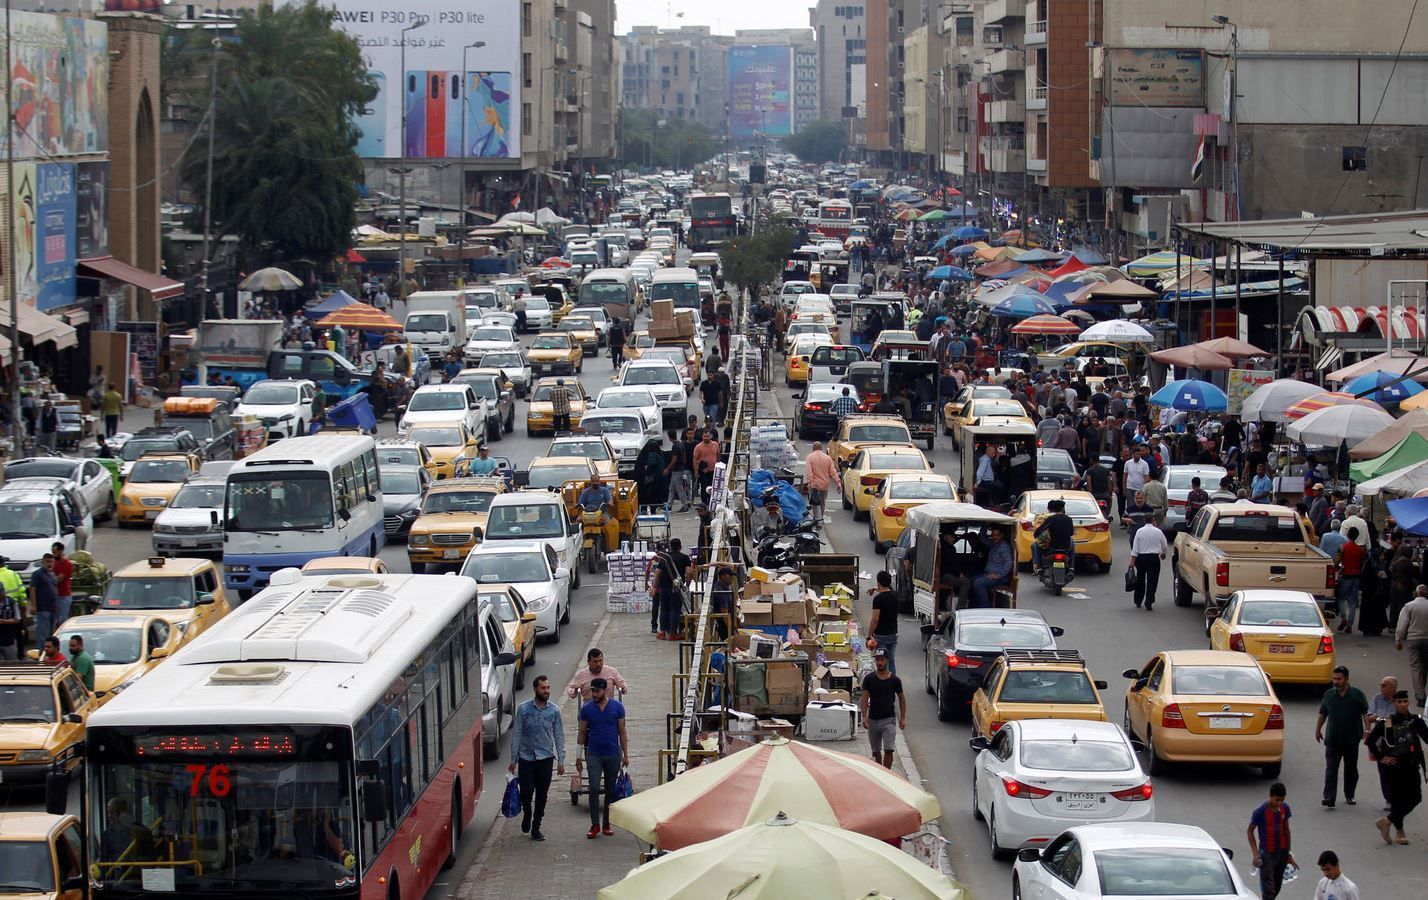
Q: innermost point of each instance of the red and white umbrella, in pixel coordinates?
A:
(1301, 408)
(1046, 324)
(807, 781)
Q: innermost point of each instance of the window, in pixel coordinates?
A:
(526, 66)
(1156, 674)
(526, 117)
(1355, 159)
(526, 19)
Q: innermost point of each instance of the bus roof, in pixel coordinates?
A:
(306, 650)
(676, 275)
(307, 450)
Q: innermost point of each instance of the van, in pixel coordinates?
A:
(537, 516)
(208, 420)
(678, 284)
(604, 287)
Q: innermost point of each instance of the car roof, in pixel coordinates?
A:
(1082, 729)
(468, 482)
(902, 477)
(1210, 658)
(23, 825)
(875, 419)
(440, 388)
(25, 671)
(1280, 595)
(107, 620)
(997, 615)
(1057, 495)
(33, 488)
(1112, 836)
(831, 388)
(544, 461)
(174, 565)
(489, 547)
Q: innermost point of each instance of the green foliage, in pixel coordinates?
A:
(646, 141)
(818, 142)
(285, 168)
(751, 261)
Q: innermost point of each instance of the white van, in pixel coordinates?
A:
(537, 516)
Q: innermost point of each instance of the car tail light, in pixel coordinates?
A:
(1039, 443)
(1016, 788)
(1171, 717)
(813, 407)
(894, 511)
(1139, 792)
(1326, 644)
(1276, 718)
(961, 662)
(1099, 527)
(1331, 577)
(1222, 574)
(869, 480)
(1237, 641)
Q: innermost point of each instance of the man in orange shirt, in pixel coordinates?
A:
(821, 473)
(706, 456)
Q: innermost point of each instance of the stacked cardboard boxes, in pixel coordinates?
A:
(665, 322)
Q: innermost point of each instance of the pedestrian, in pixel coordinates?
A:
(1412, 632)
(1158, 499)
(883, 708)
(1197, 499)
(48, 430)
(681, 483)
(595, 667)
(64, 575)
(44, 597)
(709, 396)
(821, 473)
(12, 610)
(1381, 707)
(1340, 728)
(882, 627)
(112, 404)
(51, 654)
(706, 457)
(1269, 840)
(1148, 548)
(81, 661)
(604, 743)
(1396, 744)
(560, 397)
(1351, 557)
(1335, 885)
(1402, 576)
(537, 745)
(670, 567)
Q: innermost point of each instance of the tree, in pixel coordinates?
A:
(751, 261)
(285, 168)
(648, 141)
(818, 142)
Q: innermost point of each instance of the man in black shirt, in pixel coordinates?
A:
(1059, 527)
(1098, 482)
(882, 627)
(671, 567)
(881, 716)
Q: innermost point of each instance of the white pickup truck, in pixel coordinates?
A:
(537, 516)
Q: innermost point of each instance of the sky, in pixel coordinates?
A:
(723, 16)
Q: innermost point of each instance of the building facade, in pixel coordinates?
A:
(840, 30)
(678, 72)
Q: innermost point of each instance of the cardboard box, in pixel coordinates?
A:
(839, 657)
(760, 574)
(755, 612)
(783, 676)
(829, 721)
(832, 696)
(790, 614)
(662, 311)
(780, 727)
(841, 678)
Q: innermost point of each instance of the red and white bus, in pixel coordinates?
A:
(835, 217)
(321, 741)
(711, 221)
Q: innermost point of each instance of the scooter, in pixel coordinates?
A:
(1058, 569)
(776, 551)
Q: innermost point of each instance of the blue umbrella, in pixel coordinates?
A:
(1383, 387)
(333, 302)
(951, 273)
(943, 241)
(1188, 394)
(963, 250)
(968, 233)
(965, 211)
(1023, 306)
(1411, 515)
(860, 185)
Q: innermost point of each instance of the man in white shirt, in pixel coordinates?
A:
(1148, 548)
(1136, 472)
(1335, 885)
(1352, 519)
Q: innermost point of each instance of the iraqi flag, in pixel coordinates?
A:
(1197, 167)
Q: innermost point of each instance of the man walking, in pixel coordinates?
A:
(44, 597)
(1342, 710)
(1412, 632)
(603, 742)
(1148, 548)
(12, 611)
(113, 405)
(1351, 557)
(880, 689)
(681, 483)
(64, 575)
(537, 743)
(882, 627)
(1335, 885)
(1396, 744)
(1381, 706)
(1158, 499)
(820, 473)
(560, 406)
(595, 667)
(1269, 840)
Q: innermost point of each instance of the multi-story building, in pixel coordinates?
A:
(678, 72)
(840, 27)
(802, 67)
(924, 98)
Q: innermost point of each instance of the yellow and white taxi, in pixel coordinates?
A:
(540, 416)
(452, 514)
(582, 330)
(124, 647)
(1036, 684)
(451, 447)
(865, 430)
(186, 591)
(556, 353)
(979, 409)
(897, 493)
(1284, 631)
(152, 483)
(870, 465)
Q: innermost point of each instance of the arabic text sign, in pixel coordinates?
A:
(1242, 383)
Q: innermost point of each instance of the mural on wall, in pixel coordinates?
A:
(59, 79)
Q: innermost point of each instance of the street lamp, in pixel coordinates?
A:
(465, 114)
(402, 175)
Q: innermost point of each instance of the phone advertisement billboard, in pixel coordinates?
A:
(760, 92)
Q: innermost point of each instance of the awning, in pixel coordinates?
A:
(159, 287)
(39, 327)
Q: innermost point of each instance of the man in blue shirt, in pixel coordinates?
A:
(603, 742)
(596, 497)
(998, 571)
(537, 742)
(482, 464)
(1262, 486)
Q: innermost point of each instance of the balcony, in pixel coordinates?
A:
(1006, 61)
(1006, 111)
(1003, 11)
(1007, 160)
(1035, 33)
(1035, 96)
(1035, 165)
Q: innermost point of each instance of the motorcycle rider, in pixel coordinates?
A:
(767, 518)
(1059, 528)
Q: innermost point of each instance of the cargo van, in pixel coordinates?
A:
(604, 287)
(680, 285)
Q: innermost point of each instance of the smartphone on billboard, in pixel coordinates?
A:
(414, 96)
(455, 106)
(372, 122)
(435, 115)
(487, 106)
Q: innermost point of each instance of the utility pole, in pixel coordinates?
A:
(465, 114)
(402, 178)
(17, 424)
(1234, 105)
(208, 185)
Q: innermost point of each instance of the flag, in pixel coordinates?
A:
(516, 201)
(1197, 168)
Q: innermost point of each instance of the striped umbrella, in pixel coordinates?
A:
(359, 317)
(1302, 408)
(1045, 324)
(807, 781)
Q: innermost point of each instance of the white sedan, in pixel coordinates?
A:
(1143, 859)
(630, 399)
(627, 430)
(1038, 777)
(532, 568)
(489, 339)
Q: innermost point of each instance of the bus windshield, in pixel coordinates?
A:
(685, 294)
(602, 292)
(279, 501)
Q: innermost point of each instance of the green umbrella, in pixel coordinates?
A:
(933, 215)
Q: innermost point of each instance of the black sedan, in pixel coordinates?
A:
(816, 416)
(959, 652)
(1056, 470)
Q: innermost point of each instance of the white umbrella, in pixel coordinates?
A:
(547, 216)
(270, 279)
(1268, 402)
(518, 216)
(1118, 331)
(1332, 425)
(1402, 482)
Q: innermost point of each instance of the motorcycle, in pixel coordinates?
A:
(1058, 569)
(783, 550)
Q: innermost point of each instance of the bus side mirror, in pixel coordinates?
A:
(374, 801)
(56, 791)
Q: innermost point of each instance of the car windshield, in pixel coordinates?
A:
(587, 449)
(1259, 527)
(1047, 686)
(1059, 463)
(502, 568)
(1000, 636)
(440, 436)
(672, 354)
(880, 434)
(1076, 756)
(27, 703)
(1015, 410)
(27, 520)
(40, 468)
(160, 471)
(895, 461)
(492, 334)
(201, 428)
(426, 322)
(502, 360)
(484, 386)
(109, 646)
(650, 375)
(1074, 506)
(551, 342)
(135, 448)
(1225, 681)
(625, 400)
(921, 490)
(1179, 479)
(836, 356)
(1285, 613)
(430, 401)
(150, 592)
(555, 476)
(26, 867)
(610, 425)
(458, 502)
(1163, 872)
(503, 604)
(272, 395)
(198, 496)
(399, 483)
(533, 520)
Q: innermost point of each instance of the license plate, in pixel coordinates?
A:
(1058, 565)
(1281, 648)
(451, 554)
(151, 513)
(1077, 801)
(188, 542)
(1045, 485)
(1225, 722)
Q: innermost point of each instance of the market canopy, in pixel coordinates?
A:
(1411, 514)
(1415, 421)
(360, 317)
(1412, 449)
(331, 303)
(1404, 482)
(951, 273)
(1269, 402)
(1001, 269)
(39, 327)
(1337, 425)
(1115, 331)
(1383, 387)
(1113, 292)
(1039, 255)
(270, 279)
(1398, 361)
(968, 232)
(1323, 400)
(1193, 356)
(1234, 348)
(1046, 324)
(1072, 264)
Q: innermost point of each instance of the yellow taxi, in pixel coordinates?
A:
(870, 465)
(594, 447)
(636, 344)
(796, 329)
(1036, 684)
(981, 410)
(1202, 706)
(550, 473)
(952, 408)
(43, 709)
(858, 431)
(559, 311)
(582, 330)
(1092, 535)
(152, 483)
(452, 513)
(124, 647)
(345, 565)
(555, 353)
(540, 417)
(895, 495)
(519, 624)
(42, 856)
(1284, 631)
(450, 446)
(186, 592)
(795, 366)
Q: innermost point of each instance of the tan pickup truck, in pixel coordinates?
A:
(1235, 546)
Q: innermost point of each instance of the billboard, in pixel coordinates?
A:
(760, 92)
(59, 79)
(459, 100)
(1157, 78)
(91, 215)
(54, 221)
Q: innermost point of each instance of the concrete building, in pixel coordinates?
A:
(924, 99)
(877, 135)
(840, 28)
(680, 72)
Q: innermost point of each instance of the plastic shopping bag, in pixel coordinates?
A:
(511, 802)
(623, 786)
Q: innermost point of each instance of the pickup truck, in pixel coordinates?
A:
(1236, 546)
